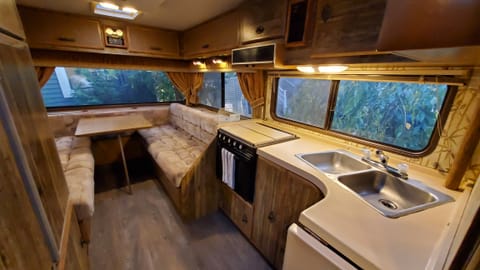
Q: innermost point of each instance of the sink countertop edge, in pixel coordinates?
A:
(393, 242)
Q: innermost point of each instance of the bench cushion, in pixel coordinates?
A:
(173, 149)
(78, 166)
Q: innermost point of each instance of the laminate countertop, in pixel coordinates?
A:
(353, 227)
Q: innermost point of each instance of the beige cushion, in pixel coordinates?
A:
(78, 166)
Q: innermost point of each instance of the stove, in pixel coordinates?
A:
(255, 134)
(241, 142)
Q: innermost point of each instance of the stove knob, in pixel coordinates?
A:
(240, 147)
(220, 136)
(229, 140)
(234, 143)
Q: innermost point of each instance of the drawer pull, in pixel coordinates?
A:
(66, 39)
(244, 218)
(156, 48)
(271, 216)
(205, 46)
(260, 29)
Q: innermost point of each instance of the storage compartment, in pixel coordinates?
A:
(239, 211)
(56, 30)
(152, 41)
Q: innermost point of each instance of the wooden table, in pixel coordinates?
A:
(113, 125)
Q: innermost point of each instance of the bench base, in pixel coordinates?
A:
(197, 195)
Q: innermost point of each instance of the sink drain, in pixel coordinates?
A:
(389, 204)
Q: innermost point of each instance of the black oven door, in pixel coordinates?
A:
(245, 169)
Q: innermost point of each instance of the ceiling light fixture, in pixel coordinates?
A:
(217, 61)
(199, 63)
(332, 69)
(306, 69)
(112, 10)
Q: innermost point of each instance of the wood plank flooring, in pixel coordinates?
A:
(143, 231)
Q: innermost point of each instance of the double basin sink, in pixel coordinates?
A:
(389, 195)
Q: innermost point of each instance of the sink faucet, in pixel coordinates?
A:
(383, 164)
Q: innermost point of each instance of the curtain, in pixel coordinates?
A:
(44, 74)
(187, 83)
(253, 90)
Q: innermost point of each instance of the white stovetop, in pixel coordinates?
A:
(256, 134)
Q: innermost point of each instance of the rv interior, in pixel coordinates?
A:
(239, 134)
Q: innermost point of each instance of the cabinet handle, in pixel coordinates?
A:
(271, 216)
(156, 48)
(244, 218)
(205, 46)
(260, 29)
(326, 13)
(66, 39)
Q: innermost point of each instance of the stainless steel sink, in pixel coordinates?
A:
(392, 196)
(333, 162)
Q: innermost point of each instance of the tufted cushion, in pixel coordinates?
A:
(78, 166)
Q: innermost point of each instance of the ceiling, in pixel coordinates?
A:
(168, 14)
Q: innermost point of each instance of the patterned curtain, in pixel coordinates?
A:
(187, 83)
(253, 90)
(44, 74)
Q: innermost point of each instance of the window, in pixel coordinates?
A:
(401, 115)
(223, 90)
(85, 87)
(304, 101)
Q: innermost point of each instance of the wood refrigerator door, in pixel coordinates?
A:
(21, 90)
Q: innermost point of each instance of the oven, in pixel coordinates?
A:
(245, 164)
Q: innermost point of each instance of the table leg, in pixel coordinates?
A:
(129, 187)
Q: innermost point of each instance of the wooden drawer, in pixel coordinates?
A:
(152, 41)
(47, 29)
(239, 211)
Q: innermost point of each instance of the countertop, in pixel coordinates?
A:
(353, 227)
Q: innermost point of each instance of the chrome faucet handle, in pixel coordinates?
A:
(382, 157)
(366, 153)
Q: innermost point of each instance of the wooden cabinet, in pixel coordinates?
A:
(280, 197)
(57, 30)
(9, 19)
(412, 24)
(262, 20)
(152, 41)
(216, 36)
(346, 27)
(239, 210)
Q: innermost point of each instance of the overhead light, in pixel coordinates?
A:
(107, 5)
(306, 69)
(332, 69)
(199, 63)
(114, 33)
(129, 10)
(217, 61)
(112, 10)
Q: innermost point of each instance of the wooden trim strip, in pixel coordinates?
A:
(63, 250)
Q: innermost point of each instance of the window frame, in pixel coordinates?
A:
(223, 98)
(108, 106)
(434, 138)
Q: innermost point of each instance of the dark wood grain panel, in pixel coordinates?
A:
(77, 258)
(266, 231)
(347, 26)
(262, 20)
(280, 197)
(19, 229)
(239, 211)
(30, 117)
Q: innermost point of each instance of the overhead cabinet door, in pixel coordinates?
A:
(53, 30)
(152, 41)
(218, 35)
(9, 20)
(347, 26)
